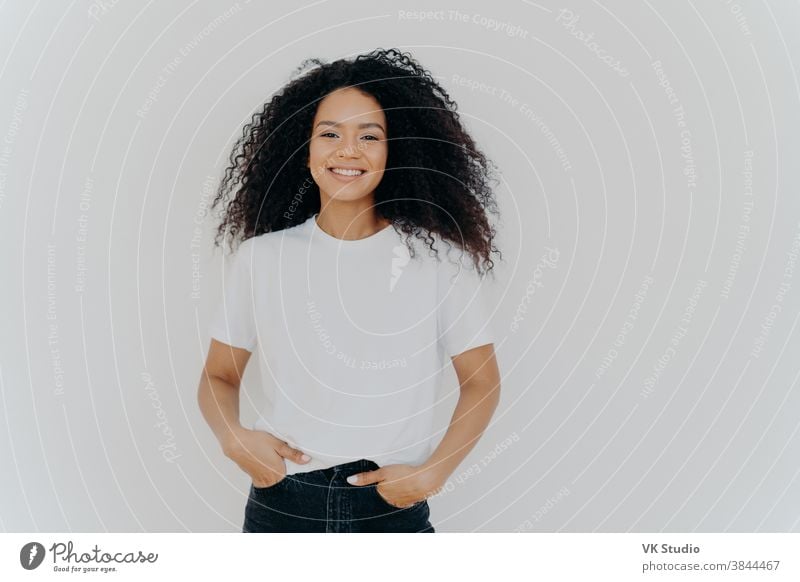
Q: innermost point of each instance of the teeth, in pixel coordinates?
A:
(345, 172)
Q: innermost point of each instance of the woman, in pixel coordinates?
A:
(353, 322)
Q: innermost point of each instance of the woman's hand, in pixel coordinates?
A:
(401, 485)
(261, 455)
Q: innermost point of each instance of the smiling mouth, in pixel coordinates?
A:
(347, 172)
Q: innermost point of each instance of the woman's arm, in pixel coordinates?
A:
(479, 377)
(403, 484)
(218, 393)
(258, 453)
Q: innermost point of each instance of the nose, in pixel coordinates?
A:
(350, 149)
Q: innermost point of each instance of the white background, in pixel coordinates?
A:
(101, 188)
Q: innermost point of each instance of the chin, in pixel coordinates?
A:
(347, 194)
(343, 197)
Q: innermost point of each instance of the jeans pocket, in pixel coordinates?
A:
(270, 487)
(382, 499)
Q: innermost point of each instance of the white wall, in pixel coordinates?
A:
(103, 342)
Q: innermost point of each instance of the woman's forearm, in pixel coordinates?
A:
(219, 403)
(476, 405)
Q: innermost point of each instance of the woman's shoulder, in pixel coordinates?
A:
(444, 259)
(277, 238)
(450, 255)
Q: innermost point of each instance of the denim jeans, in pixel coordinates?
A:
(323, 501)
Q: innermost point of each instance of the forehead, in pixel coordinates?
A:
(345, 104)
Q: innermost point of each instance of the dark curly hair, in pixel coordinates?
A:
(436, 179)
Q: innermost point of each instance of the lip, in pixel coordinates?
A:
(345, 178)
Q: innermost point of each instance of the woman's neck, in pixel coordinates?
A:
(350, 220)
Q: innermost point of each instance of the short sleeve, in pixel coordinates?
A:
(463, 307)
(233, 321)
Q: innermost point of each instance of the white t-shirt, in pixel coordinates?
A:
(355, 335)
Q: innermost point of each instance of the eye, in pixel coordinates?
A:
(328, 133)
(371, 137)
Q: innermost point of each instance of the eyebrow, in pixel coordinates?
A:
(360, 125)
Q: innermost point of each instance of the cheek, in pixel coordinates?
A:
(317, 156)
(314, 153)
(377, 158)
(316, 162)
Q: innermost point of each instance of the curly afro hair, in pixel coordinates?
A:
(436, 179)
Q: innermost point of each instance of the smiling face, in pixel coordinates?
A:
(348, 148)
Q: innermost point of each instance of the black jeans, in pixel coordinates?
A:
(323, 501)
